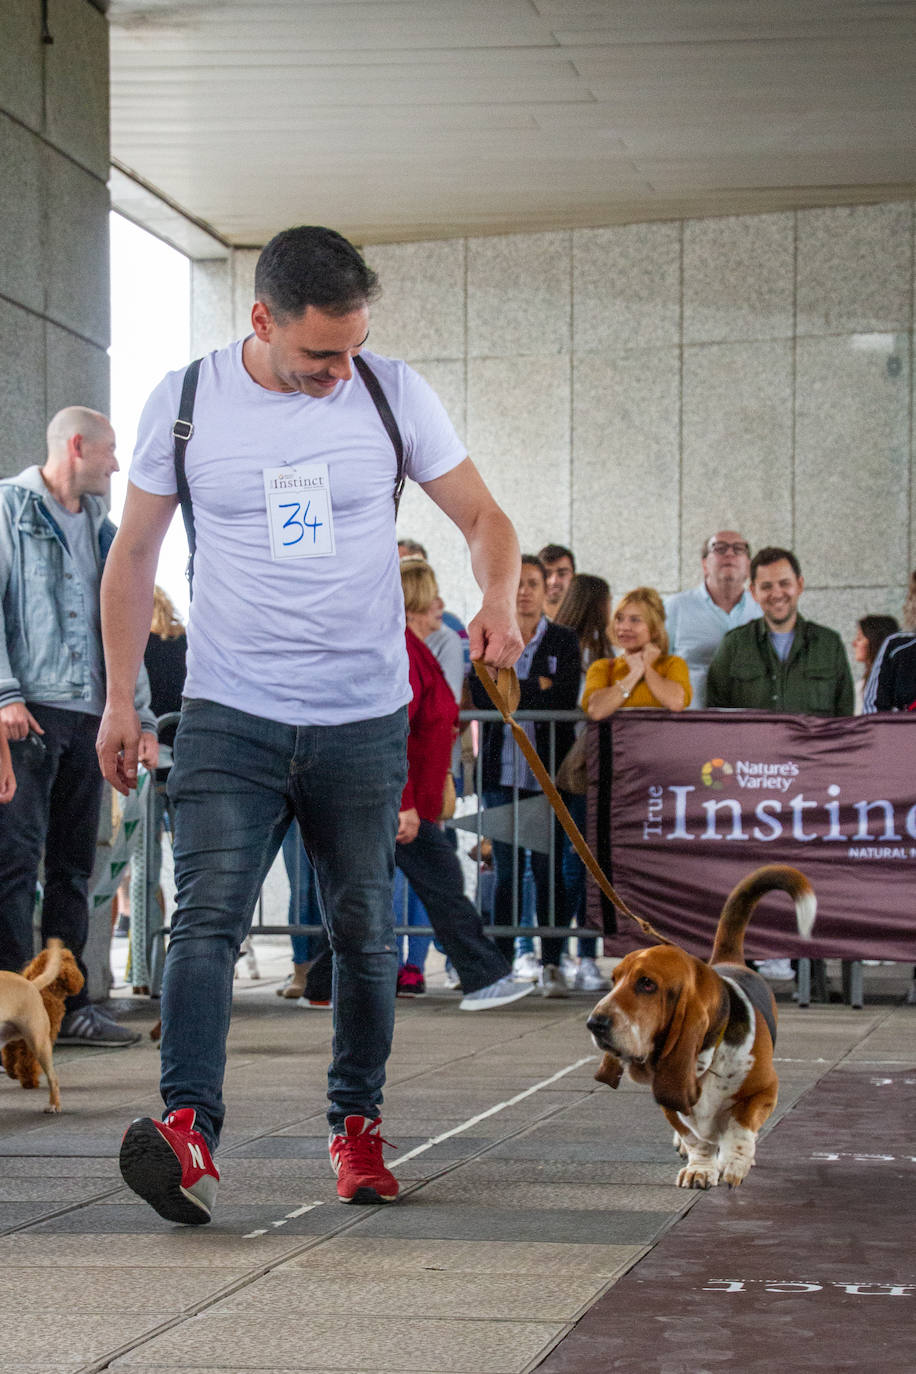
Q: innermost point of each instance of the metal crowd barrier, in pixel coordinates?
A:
(150, 928)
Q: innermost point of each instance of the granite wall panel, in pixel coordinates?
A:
(626, 287)
(737, 445)
(22, 246)
(519, 296)
(852, 460)
(76, 84)
(855, 269)
(78, 374)
(738, 278)
(77, 280)
(421, 311)
(625, 467)
(23, 415)
(518, 430)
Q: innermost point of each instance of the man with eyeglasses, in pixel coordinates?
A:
(697, 619)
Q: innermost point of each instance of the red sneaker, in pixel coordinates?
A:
(411, 982)
(356, 1158)
(168, 1164)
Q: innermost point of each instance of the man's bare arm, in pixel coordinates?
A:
(127, 610)
(493, 634)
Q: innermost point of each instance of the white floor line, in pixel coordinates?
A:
(491, 1111)
(300, 1211)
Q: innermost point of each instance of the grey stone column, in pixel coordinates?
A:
(54, 154)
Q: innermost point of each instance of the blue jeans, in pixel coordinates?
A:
(407, 901)
(236, 782)
(55, 812)
(307, 911)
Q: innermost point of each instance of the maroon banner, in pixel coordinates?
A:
(682, 807)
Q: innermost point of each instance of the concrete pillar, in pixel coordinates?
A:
(54, 155)
(54, 276)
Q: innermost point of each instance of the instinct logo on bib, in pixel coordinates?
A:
(300, 520)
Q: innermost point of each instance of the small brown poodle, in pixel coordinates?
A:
(32, 1005)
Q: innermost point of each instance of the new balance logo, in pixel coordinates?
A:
(197, 1156)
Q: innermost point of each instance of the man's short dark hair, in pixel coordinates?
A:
(533, 560)
(312, 266)
(552, 553)
(774, 555)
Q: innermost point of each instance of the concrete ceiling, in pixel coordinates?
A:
(416, 119)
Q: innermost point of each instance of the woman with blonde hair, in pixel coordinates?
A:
(644, 673)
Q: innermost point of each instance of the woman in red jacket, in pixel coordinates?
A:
(422, 853)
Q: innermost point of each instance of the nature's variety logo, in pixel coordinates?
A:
(713, 771)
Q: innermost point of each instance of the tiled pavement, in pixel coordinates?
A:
(539, 1229)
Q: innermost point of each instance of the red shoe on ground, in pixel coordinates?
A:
(356, 1158)
(411, 982)
(168, 1164)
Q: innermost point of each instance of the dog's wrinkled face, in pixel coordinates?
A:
(632, 1020)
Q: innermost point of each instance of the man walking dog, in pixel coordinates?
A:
(295, 700)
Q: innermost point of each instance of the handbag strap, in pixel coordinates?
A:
(505, 694)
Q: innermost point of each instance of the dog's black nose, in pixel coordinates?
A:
(598, 1024)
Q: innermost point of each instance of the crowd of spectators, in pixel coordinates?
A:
(736, 640)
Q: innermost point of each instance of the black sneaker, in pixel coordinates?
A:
(90, 1026)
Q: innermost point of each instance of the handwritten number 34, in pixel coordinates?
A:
(297, 524)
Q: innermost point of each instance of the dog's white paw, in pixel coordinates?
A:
(735, 1170)
(679, 1145)
(698, 1176)
(52, 1111)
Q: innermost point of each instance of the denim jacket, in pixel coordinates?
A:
(44, 647)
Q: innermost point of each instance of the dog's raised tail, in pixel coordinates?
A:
(729, 946)
(55, 949)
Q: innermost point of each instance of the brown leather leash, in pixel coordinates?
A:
(505, 694)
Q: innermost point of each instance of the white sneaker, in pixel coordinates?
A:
(498, 994)
(589, 977)
(778, 969)
(527, 966)
(568, 968)
(552, 983)
(451, 977)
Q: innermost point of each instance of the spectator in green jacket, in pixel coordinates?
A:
(781, 662)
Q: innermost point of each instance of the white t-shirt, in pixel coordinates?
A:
(310, 640)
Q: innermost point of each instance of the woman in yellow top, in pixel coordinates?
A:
(644, 674)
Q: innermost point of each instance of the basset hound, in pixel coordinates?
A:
(702, 1035)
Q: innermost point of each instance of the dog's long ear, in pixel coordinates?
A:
(674, 1081)
(609, 1071)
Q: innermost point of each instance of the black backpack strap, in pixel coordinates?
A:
(182, 430)
(380, 401)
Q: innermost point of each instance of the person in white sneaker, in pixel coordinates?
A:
(422, 853)
(548, 673)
